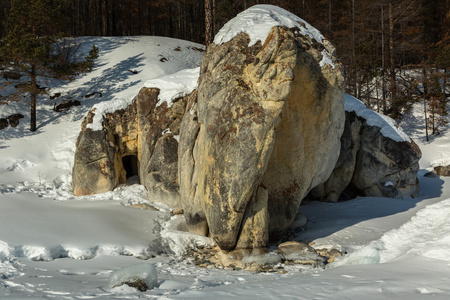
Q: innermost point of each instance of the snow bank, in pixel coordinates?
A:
(427, 234)
(145, 272)
(443, 161)
(258, 20)
(386, 124)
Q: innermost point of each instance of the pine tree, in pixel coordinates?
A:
(33, 27)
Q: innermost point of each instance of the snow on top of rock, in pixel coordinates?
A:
(326, 59)
(443, 161)
(103, 108)
(146, 272)
(258, 20)
(386, 124)
(174, 85)
(171, 87)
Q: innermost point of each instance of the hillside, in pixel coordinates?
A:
(56, 245)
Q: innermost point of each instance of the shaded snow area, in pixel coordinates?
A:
(388, 127)
(54, 245)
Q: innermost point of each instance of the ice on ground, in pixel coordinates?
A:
(387, 125)
(258, 20)
(146, 272)
(367, 255)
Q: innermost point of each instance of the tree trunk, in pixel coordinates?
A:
(383, 62)
(355, 87)
(444, 86)
(424, 83)
(329, 18)
(34, 92)
(209, 26)
(395, 108)
(303, 10)
(104, 16)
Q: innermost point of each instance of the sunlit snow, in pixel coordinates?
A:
(56, 245)
(387, 125)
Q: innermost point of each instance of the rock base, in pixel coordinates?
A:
(263, 259)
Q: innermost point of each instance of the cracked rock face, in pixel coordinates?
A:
(140, 140)
(371, 164)
(263, 130)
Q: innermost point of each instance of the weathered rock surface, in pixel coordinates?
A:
(157, 145)
(13, 121)
(93, 171)
(371, 164)
(249, 144)
(138, 140)
(442, 170)
(294, 250)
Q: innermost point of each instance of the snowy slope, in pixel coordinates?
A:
(55, 245)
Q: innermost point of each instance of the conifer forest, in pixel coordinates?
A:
(378, 41)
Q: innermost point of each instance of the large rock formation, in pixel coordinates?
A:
(376, 159)
(264, 130)
(138, 140)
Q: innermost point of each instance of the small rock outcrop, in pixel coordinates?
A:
(12, 120)
(376, 159)
(265, 128)
(442, 170)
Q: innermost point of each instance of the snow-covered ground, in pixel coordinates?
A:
(58, 246)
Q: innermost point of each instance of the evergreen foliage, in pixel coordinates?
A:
(33, 50)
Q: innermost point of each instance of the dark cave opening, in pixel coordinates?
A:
(130, 164)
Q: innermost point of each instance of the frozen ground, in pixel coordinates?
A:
(54, 245)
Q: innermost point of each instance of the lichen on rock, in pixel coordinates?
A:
(261, 112)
